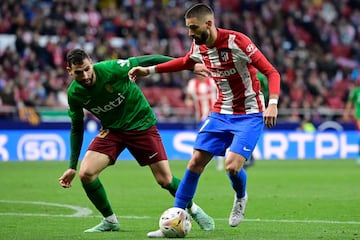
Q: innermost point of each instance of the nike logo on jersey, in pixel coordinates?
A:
(152, 156)
(87, 102)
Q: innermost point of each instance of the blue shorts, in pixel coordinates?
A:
(240, 132)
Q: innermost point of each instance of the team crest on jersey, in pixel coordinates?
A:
(109, 88)
(224, 56)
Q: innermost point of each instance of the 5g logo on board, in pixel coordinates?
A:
(41, 147)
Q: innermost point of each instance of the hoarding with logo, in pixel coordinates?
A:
(50, 145)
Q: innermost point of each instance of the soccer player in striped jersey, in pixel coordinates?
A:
(239, 113)
(127, 120)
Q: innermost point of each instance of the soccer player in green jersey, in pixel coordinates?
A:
(127, 120)
(354, 100)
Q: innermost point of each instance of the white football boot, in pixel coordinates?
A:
(238, 211)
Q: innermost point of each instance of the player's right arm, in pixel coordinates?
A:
(76, 138)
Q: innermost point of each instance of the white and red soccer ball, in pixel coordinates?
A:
(175, 223)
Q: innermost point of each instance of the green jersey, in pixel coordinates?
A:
(115, 100)
(264, 85)
(354, 97)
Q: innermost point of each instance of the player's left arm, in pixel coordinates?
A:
(76, 115)
(260, 62)
(149, 60)
(76, 138)
(174, 65)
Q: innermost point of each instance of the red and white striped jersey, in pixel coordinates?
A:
(230, 62)
(202, 91)
(233, 62)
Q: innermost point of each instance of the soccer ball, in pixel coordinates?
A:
(175, 223)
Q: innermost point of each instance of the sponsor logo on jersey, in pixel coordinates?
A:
(250, 48)
(110, 106)
(224, 73)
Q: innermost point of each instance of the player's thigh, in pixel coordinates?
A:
(213, 137)
(247, 132)
(110, 143)
(93, 163)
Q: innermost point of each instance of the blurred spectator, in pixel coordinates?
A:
(8, 94)
(315, 45)
(307, 126)
(200, 96)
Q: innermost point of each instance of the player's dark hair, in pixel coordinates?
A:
(76, 56)
(199, 10)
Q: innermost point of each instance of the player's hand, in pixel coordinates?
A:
(270, 115)
(200, 69)
(66, 179)
(137, 72)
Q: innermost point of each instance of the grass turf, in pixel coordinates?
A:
(297, 200)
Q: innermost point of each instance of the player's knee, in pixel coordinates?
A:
(164, 182)
(86, 176)
(232, 167)
(231, 171)
(194, 166)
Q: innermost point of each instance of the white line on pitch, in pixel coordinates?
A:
(79, 211)
(85, 212)
(301, 221)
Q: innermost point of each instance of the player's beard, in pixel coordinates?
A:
(88, 82)
(202, 39)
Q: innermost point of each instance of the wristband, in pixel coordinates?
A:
(151, 69)
(273, 101)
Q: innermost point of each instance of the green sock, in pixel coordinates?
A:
(173, 186)
(97, 195)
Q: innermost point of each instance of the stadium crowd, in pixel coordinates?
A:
(315, 45)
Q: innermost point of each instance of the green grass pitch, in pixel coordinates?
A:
(290, 200)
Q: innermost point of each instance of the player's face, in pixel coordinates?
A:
(199, 31)
(83, 73)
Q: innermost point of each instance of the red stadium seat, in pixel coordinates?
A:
(174, 95)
